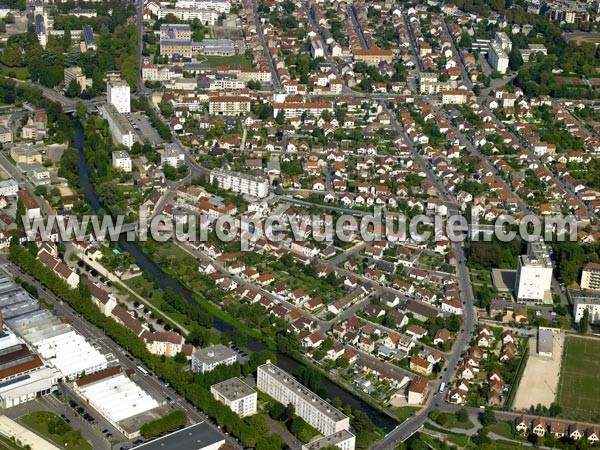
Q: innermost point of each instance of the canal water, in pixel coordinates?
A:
(166, 281)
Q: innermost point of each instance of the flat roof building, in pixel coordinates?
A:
(115, 396)
(534, 275)
(309, 406)
(545, 342)
(200, 436)
(206, 359)
(58, 343)
(118, 94)
(236, 394)
(122, 131)
(585, 300)
(240, 182)
(343, 439)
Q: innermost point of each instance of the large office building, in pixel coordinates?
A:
(122, 131)
(118, 94)
(590, 277)
(240, 182)
(309, 406)
(534, 275)
(206, 359)
(236, 394)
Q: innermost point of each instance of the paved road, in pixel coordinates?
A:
(261, 36)
(96, 335)
(412, 424)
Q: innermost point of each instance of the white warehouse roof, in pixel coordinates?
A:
(118, 398)
(71, 354)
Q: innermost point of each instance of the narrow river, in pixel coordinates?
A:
(166, 281)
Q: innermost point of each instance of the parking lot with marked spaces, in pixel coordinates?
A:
(579, 390)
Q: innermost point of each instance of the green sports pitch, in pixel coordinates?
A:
(579, 389)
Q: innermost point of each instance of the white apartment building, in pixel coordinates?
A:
(228, 105)
(241, 182)
(291, 110)
(590, 277)
(344, 440)
(455, 97)
(172, 156)
(121, 160)
(583, 300)
(206, 359)
(167, 343)
(118, 95)
(497, 58)
(206, 16)
(120, 128)
(313, 409)
(221, 6)
(534, 275)
(236, 394)
(502, 39)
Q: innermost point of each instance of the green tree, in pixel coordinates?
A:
(180, 358)
(74, 89)
(584, 322)
(12, 56)
(487, 417)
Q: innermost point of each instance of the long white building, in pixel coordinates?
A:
(309, 406)
(534, 275)
(222, 6)
(206, 16)
(120, 128)
(241, 182)
(118, 94)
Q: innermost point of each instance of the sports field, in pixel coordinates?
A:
(579, 389)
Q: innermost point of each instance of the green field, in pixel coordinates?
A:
(54, 428)
(219, 61)
(579, 390)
